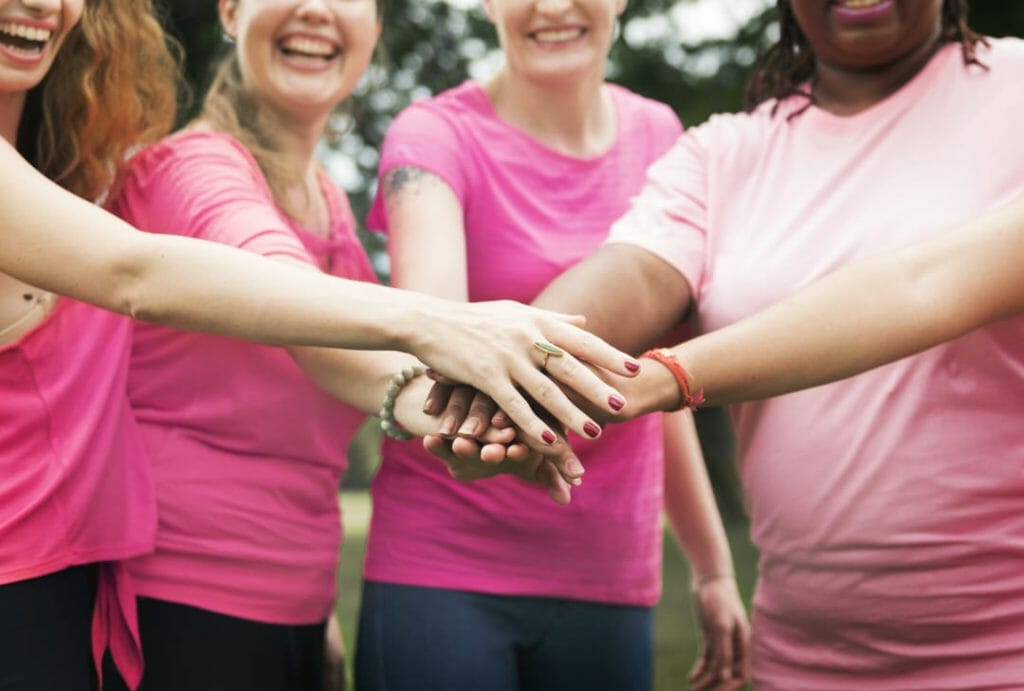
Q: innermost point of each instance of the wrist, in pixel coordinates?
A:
(389, 420)
(698, 581)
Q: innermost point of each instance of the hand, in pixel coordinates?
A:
(725, 656)
(490, 346)
(468, 461)
(335, 674)
(469, 414)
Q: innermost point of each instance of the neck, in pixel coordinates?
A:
(846, 91)
(575, 118)
(11, 107)
(297, 138)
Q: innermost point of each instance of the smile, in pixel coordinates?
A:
(309, 47)
(859, 4)
(26, 40)
(555, 36)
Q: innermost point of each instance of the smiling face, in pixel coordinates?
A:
(865, 34)
(31, 33)
(302, 56)
(555, 40)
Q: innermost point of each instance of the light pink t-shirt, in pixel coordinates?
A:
(530, 212)
(887, 507)
(247, 452)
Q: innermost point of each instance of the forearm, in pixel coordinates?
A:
(868, 314)
(690, 502)
(629, 296)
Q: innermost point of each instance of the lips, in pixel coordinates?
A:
(556, 36)
(861, 11)
(312, 47)
(24, 40)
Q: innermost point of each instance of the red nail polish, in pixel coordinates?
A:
(632, 366)
(548, 436)
(592, 430)
(616, 402)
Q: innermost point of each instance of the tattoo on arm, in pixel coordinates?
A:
(406, 179)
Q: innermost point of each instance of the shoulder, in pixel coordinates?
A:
(189, 149)
(453, 110)
(640, 108)
(1002, 54)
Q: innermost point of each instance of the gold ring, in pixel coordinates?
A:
(548, 349)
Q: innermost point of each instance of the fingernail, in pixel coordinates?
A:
(548, 436)
(616, 402)
(469, 428)
(447, 427)
(574, 467)
(430, 372)
(592, 430)
(632, 366)
(428, 405)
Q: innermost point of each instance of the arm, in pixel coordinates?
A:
(868, 314)
(61, 243)
(697, 526)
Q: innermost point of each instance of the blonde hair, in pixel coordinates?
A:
(112, 87)
(232, 109)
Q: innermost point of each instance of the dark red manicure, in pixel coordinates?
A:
(616, 402)
(632, 366)
(592, 430)
(548, 436)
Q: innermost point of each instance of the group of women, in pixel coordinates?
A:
(168, 498)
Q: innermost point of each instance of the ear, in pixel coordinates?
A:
(228, 10)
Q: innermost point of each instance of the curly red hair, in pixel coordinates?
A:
(113, 87)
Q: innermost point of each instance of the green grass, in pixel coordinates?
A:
(676, 637)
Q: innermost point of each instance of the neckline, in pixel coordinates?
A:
(907, 92)
(480, 95)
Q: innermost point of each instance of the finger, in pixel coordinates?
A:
(495, 435)
(437, 398)
(558, 489)
(518, 452)
(589, 347)
(481, 409)
(724, 637)
(501, 419)
(467, 449)
(582, 379)
(455, 412)
(741, 658)
(534, 431)
(551, 398)
(493, 453)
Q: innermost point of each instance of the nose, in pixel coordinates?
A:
(553, 7)
(314, 11)
(42, 7)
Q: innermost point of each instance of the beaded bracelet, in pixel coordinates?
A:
(669, 359)
(388, 424)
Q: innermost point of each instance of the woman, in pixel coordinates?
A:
(76, 492)
(489, 586)
(884, 506)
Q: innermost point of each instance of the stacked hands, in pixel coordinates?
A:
(576, 383)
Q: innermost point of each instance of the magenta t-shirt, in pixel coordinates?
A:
(247, 451)
(530, 213)
(889, 507)
(75, 486)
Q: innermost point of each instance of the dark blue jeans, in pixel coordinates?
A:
(431, 639)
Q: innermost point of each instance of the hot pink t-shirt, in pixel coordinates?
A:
(247, 452)
(887, 507)
(530, 212)
(75, 486)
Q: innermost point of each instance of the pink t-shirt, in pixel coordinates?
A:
(530, 212)
(887, 507)
(75, 487)
(247, 452)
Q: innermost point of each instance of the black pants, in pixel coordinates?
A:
(45, 625)
(191, 649)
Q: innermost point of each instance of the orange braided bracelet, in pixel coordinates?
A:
(669, 359)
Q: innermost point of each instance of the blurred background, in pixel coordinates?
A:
(691, 54)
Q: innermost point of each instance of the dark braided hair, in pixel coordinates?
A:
(785, 67)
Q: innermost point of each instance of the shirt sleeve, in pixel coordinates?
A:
(669, 216)
(207, 186)
(422, 136)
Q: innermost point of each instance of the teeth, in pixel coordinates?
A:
(557, 35)
(860, 4)
(29, 33)
(308, 46)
